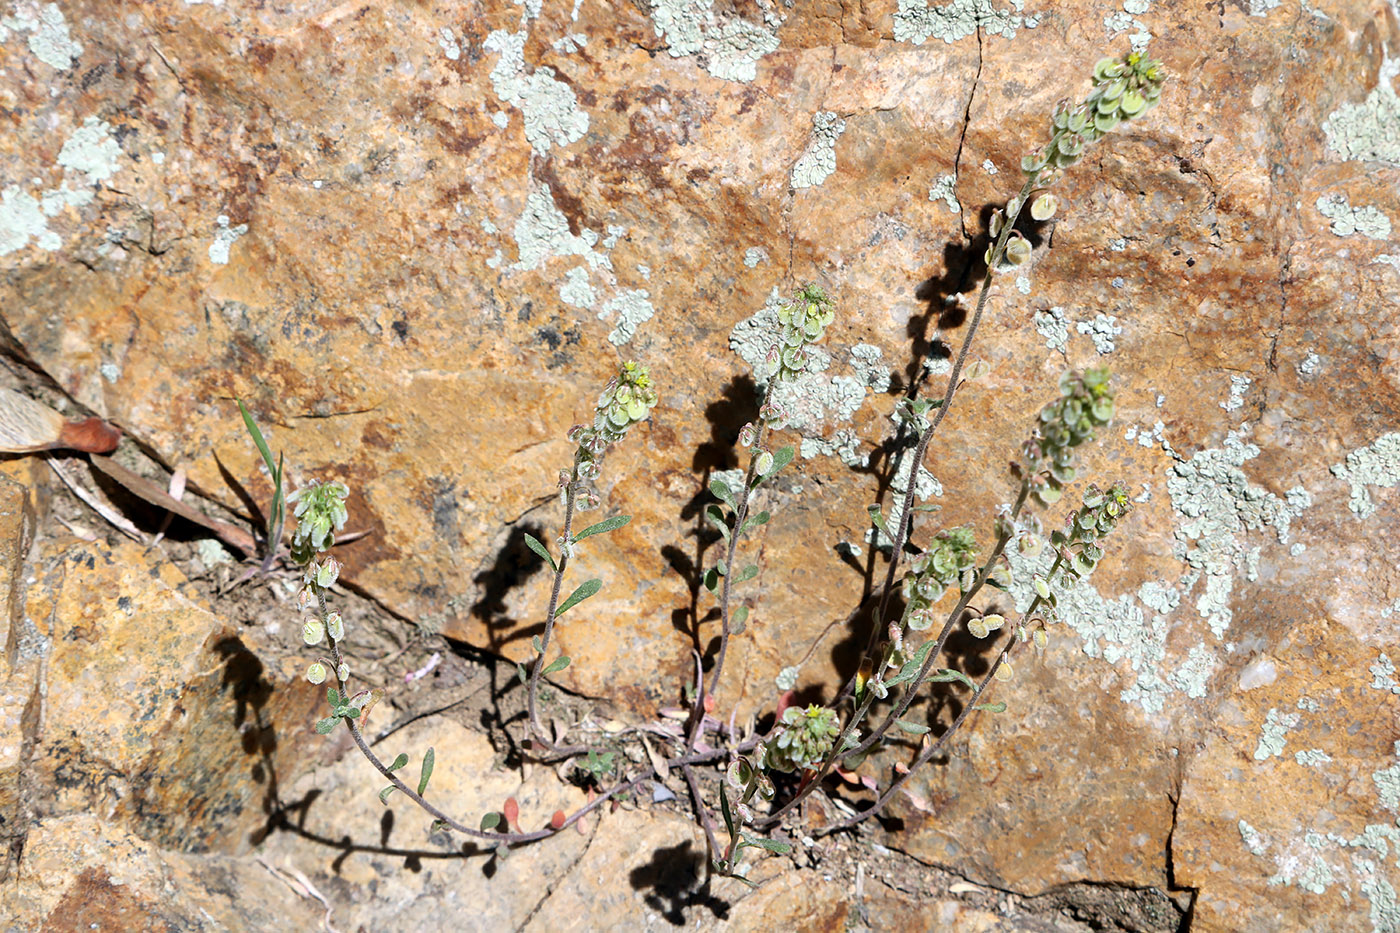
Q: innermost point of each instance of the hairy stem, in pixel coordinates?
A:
(741, 513)
(570, 497)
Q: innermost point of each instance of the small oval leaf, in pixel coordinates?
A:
(558, 664)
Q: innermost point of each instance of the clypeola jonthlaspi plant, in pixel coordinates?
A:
(946, 579)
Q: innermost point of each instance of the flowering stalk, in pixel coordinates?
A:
(627, 400)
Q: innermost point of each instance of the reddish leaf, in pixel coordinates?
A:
(557, 821)
(511, 811)
(784, 701)
(709, 702)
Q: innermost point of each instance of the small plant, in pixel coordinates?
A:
(943, 580)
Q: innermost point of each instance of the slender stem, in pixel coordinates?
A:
(928, 753)
(935, 747)
(741, 513)
(680, 761)
(906, 512)
(911, 690)
(570, 497)
(705, 822)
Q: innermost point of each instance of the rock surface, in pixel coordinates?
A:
(417, 239)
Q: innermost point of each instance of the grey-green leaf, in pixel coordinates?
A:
(737, 620)
(715, 516)
(772, 845)
(781, 458)
(533, 544)
(992, 707)
(558, 664)
(748, 573)
(585, 589)
(912, 728)
(722, 492)
(325, 726)
(607, 524)
(490, 821)
(949, 676)
(384, 794)
(426, 773)
(760, 519)
(399, 762)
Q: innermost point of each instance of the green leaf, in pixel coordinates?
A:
(711, 579)
(724, 809)
(737, 620)
(772, 845)
(252, 427)
(520, 672)
(490, 821)
(722, 492)
(384, 794)
(748, 573)
(946, 676)
(533, 544)
(913, 728)
(715, 516)
(333, 696)
(558, 664)
(992, 707)
(535, 643)
(325, 726)
(781, 458)
(607, 524)
(878, 520)
(399, 762)
(585, 589)
(911, 668)
(426, 772)
(760, 519)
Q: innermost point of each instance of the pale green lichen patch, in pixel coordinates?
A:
(917, 21)
(1118, 629)
(549, 107)
(1101, 330)
(1375, 465)
(22, 219)
(727, 45)
(1216, 506)
(944, 188)
(754, 255)
(813, 399)
(577, 290)
(1051, 325)
(542, 232)
(866, 360)
(1369, 131)
(1388, 786)
(1347, 220)
(91, 149)
(1383, 675)
(1312, 757)
(1239, 385)
(1254, 840)
(1271, 737)
(224, 238)
(818, 161)
(47, 31)
(631, 308)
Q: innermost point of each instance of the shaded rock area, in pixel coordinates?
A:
(417, 239)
